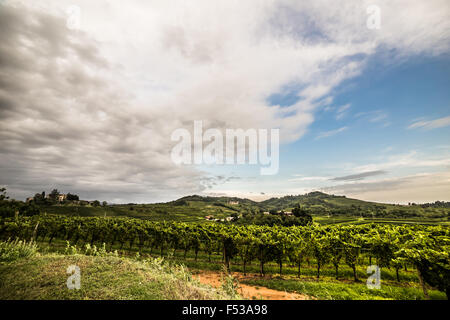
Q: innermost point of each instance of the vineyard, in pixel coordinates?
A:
(426, 248)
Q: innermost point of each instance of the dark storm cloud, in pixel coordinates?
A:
(360, 176)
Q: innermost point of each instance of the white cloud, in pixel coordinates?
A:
(93, 109)
(375, 116)
(378, 116)
(301, 179)
(431, 124)
(408, 160)
(341, 111)
(330, 133)
(419, 188)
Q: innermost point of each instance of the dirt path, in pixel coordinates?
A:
(214, 279)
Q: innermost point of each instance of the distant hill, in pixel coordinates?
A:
(324, 208)
(219, 200)
(319, 203)
(312, 199)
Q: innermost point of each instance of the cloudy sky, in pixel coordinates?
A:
(90, 92)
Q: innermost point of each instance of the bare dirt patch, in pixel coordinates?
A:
(214, 279)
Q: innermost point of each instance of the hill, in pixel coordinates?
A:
(102, 277)
(196, 208)
(318, 203)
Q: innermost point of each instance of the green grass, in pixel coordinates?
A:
(43, 276)
(343, 220)
(194, 211)
(14, 250)
(345, 291)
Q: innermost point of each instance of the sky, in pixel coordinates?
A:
(91, 92)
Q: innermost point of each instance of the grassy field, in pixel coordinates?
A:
(326, 287)
(132, 275)
(214, 262)
(334, 290)
(325, 220)
(192, 212)
(196, 212)
(103, 277)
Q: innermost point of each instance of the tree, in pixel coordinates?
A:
(302, 215)
(96, 203)
(3, 195)
(6, 207)
(299, 211)
(28, 209)
(13, 208)
(54, 195)
(72, 197)
(39, 198)
(104, 203)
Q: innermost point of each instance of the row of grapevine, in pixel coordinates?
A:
(424, 247)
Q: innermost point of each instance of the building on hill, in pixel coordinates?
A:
(62, 197)
(29, 199)
(233, 202)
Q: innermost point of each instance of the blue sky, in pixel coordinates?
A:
(374, 111)
(383, 102)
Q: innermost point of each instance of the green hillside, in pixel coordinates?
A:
(26, 274)
(323, 203)
(187, 211)
(323, 207)
(318, 203)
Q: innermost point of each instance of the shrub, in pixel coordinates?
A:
(14, 250)
(89, 250)
(230, 285)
